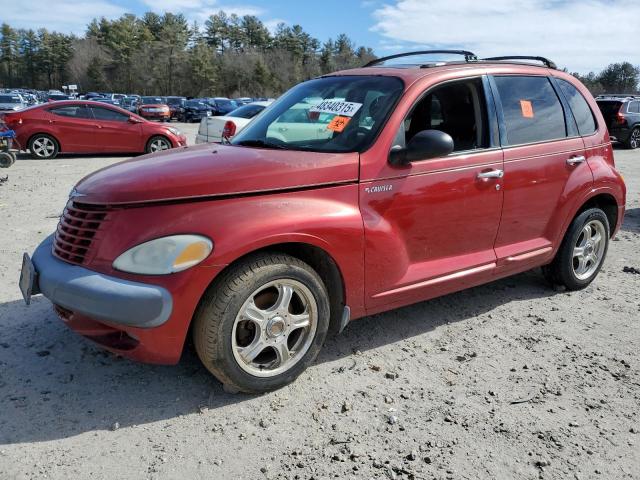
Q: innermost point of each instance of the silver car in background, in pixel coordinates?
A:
(11, 102)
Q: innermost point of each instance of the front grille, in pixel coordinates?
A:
(76, 232)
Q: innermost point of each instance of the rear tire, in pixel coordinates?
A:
(633, 141)
(43, 146)
(262, 323)
(582, 251)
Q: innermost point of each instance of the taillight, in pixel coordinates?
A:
(229, 129)
(620, 119)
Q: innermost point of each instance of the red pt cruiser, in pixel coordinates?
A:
(354, 193)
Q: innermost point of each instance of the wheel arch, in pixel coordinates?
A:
(317, 258)
(605, 202)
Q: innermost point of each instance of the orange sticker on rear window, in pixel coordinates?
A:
(338, 123)
(527, 108)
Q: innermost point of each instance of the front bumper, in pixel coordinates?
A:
(113, 300)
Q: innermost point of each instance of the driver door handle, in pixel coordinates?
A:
(576, 160)
(491, 174)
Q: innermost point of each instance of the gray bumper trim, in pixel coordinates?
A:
(99, 296)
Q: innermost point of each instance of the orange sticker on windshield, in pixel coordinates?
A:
(527, 108)
(338, 123)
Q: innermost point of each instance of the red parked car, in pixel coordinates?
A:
(88, 127)
(398, 184)
(154, 108)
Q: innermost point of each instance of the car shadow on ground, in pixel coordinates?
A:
(55, 384)
(631, 222)
(75, 156)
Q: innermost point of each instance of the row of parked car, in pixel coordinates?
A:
(169, 108)
(93, 126)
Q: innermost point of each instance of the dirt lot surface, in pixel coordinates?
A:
(509, 380)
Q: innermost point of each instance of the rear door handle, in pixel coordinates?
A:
(491, 174)
(576, 160)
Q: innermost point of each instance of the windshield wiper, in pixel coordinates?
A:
(260, 143)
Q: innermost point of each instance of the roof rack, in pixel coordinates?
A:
(544, 60)
(618, 95)
(468, 56)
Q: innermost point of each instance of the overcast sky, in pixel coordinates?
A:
(582, 35)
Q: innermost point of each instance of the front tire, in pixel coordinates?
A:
(582, 251)
(158, 143)
(43, 146)
(262, 323)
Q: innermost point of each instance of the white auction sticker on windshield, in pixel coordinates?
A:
(337, 106)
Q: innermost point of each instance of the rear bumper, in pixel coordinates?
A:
(113, 300)
(620, 134)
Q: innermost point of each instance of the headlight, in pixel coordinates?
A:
(165, 255)
(175, 131)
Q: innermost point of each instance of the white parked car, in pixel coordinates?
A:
(11, 102)
(213, 129)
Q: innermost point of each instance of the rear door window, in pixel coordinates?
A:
(72, 111)
(580, 108)
(101, 113)
(634, 107)
(531, 108)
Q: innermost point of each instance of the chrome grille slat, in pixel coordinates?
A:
(76, 231)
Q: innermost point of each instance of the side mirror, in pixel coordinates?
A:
(423, 146)
(134, 120)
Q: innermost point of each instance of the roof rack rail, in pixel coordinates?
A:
(618, 95)
(544, 60)
(468, 56)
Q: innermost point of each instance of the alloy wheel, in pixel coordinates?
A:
(274, 328)
(634, 141)
(588, 251)
(43, 147)
(158, 145)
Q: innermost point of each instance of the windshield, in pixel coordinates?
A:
(609, 107)
(174, 101)
(330, 114)
(247, 111)
(9, 99)
(224, 103)
(193, 103)
(151, 100)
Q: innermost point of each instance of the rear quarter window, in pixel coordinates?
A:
(634, 107)
(531, 108)
(581, 111)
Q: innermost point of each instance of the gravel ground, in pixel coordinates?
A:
(508, 380)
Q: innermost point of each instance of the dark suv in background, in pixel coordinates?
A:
(622, 116)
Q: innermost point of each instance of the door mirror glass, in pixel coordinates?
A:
(422, 146)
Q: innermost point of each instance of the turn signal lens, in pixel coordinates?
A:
(192, 255)
(165, 255)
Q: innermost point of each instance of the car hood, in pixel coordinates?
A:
(212, 170)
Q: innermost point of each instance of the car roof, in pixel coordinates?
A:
(411, 73)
